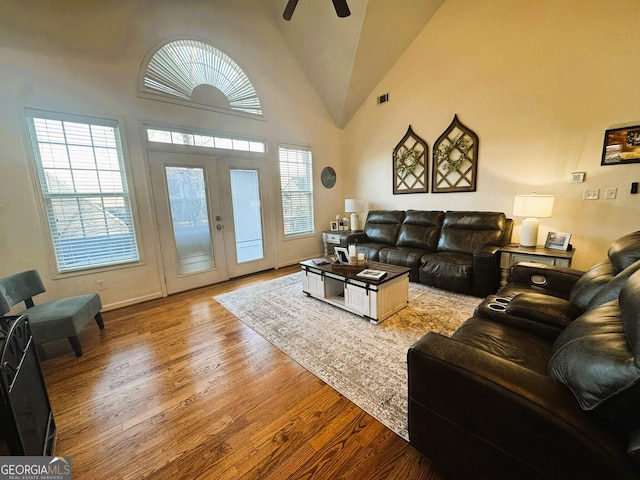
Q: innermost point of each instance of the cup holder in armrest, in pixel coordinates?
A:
(498, 307)
(497, 304)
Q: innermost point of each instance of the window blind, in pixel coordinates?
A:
(84, 188)
(296, 184)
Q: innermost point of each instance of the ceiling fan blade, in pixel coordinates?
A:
(342, 9)
(288, 10)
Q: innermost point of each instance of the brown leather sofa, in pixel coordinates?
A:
(456, 251)
(540, 390)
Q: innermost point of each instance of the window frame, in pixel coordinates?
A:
(36, 168)
(309, 192)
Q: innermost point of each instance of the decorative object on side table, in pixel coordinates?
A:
(410, 164)
(455, 160)
(558, 241)
(532, 207)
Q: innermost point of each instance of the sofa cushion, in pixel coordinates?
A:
(625, 251)
(403, 257)
(467, 231)
(448, 270)
(507, 342)
(382, 226)
(595, 356)
(420, 229)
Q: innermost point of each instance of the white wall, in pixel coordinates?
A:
(539, 82)
(84, 58)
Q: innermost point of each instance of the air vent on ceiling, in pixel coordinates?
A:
(383, 98)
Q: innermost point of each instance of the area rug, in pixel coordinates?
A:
(364, 362)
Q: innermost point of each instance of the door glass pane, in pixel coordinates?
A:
(247, 214)
(190, 218)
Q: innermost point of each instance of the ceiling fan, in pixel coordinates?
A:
(342, 9)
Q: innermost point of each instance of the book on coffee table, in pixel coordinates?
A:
(372, 274)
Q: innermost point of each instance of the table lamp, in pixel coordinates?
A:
(354, 206)
(532, 207)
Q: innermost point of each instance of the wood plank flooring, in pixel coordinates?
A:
(179, 388)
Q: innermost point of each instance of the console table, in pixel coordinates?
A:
(341, 287)
(516, 253)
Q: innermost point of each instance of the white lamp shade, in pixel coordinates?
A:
(533, 205)
(353, 205)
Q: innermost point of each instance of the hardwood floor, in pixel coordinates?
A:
(179, 388)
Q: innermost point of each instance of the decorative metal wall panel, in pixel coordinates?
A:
(410, 164)
(455, 160)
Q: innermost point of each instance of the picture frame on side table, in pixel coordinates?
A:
(333, 226)
(558, 241)
(621, 145)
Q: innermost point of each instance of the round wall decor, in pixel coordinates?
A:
(328, 177)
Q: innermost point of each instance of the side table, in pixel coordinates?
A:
(332, 239)
(516, 253)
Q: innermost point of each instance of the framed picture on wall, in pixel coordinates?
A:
(558, 241)
(621, 145)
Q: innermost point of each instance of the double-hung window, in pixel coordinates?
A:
(84, 187)
(296, 185)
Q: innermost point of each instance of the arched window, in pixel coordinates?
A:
(197, 72)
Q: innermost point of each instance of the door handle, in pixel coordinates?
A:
(219, 227)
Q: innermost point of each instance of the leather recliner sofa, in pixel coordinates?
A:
(542, 390)
(457, 251)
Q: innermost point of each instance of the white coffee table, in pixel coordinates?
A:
(339, 286)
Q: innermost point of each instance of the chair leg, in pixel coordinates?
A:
(99, 320)
(75, 344)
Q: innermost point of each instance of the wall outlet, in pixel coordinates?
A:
(591, 194)
(610, 193)
(100, 284)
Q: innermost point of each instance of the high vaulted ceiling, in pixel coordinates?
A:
(345, 58)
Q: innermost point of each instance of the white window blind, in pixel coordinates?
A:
(296, 184)
(178, 67)
(84, 187)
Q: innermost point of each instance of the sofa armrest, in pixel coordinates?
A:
(547, 277)
(486, 271)
(505, 414)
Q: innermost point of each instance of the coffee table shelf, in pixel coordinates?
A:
(374, 300)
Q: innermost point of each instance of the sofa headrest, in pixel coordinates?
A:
(625, 251)
(431, 218)
(382, 226)
(611, 290)
(630, 313)
(596, 357)
(590, 283)
(420, 229)
(475, 220)
(467, 232)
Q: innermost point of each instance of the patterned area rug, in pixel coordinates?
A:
(366, 363)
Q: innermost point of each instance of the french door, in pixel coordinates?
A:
(213, 222)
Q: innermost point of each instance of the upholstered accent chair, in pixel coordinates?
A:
(54, 320)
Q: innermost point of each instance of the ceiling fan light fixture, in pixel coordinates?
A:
(342, 9)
